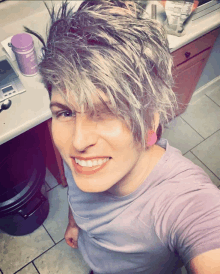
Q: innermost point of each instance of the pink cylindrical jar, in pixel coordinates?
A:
(23, 48)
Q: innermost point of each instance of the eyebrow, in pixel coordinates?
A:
(59, 105)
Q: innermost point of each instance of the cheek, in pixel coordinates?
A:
(61, 134)
(117, 135)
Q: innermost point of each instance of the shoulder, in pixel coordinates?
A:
(187, 218)
(182, 188)
(186, 185)
(178, 182)
(184, 207)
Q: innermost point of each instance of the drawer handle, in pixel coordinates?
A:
(187, 54)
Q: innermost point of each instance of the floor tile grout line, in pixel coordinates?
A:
(35, 267)
(60, 241)
(47, 184)
(49, 234)
(193, 147)
(47, 250)
(212, 100)
(23, 267)
(32, 261)
(53, 187)
(201, 141)
(193, 128)
(213, 133)
(213, 90)
(190, 125)
(206, 166)
(50, 186)
(36, 259)
(41, 253)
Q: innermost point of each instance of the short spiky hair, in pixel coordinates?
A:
(104, 45)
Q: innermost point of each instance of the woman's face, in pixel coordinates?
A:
(99, 150)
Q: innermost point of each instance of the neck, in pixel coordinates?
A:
(139, 174)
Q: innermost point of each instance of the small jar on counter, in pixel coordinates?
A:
(23, 48)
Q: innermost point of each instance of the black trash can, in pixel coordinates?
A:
(23, 200)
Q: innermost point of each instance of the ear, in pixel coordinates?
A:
(155, 124)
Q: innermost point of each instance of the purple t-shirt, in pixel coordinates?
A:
(171, 218)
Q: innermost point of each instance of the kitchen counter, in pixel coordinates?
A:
(195, 29)
(31, 108)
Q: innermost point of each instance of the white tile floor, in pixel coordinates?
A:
(196, 133)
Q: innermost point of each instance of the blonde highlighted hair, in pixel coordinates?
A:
(105, 45)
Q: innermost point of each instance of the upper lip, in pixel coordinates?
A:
(90, 158)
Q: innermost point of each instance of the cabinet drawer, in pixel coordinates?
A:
(195, 47)
(191, 62)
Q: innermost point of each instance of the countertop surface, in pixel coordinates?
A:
(31, 108)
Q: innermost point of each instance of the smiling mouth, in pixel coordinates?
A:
(89, 167)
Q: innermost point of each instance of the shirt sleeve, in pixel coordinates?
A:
(189, 223)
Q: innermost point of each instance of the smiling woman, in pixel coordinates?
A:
(107, 139)
(136, 204)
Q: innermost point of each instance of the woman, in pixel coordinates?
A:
(136, 204)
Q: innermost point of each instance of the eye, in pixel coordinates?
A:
(64, 115)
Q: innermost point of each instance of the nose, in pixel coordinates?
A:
(84, 133)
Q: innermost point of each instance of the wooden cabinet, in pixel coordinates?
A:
(53, 159)
(189, 62)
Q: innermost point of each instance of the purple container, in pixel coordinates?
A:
(23, 48)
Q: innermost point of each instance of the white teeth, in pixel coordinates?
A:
(91, 163)
(76, 160)
(94, 162)
(100, 161)
(83, 163)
